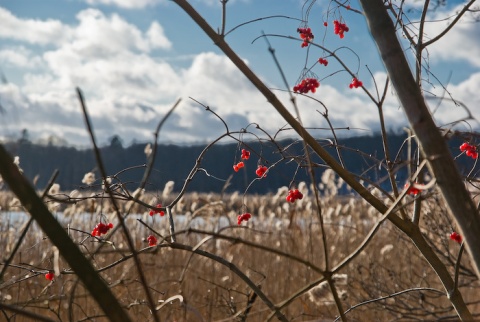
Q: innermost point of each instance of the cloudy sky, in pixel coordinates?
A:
(134, 58)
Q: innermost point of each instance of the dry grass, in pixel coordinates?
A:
(211, 291)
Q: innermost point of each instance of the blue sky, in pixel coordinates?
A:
(134, 58)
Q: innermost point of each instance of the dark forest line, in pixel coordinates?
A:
(174, 163)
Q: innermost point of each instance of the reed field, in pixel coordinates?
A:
(281, 250)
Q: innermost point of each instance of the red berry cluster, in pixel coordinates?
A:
(306, 35)
(307, 84)
(160, 212)
(456, 237)
(101, 229)
(323, 61)
(50, 276)
(470, 150)
(245, 156)
(243, 217)
(261, 171)
(325, 23)
(412, 191)
(294, 195)
(152, 240)
(339, 28)
(355, 83)
(238, 166)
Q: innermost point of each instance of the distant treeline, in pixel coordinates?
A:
(175, 163)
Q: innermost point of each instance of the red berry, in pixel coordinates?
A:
(470, 150)
(261, 170)
(412, 191)
(325, 24)
(294, 195)
(339, 28)
(50, 276)
(152, 240)
(243, 217)
(297, 194)
(306, 85)
(306, 35)
(355, 83)
(238, 166)
(101, 229)
(323, 61)
(456, 237)
(245, 154)
(160, 212)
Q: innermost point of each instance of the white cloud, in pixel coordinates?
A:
(33, 31)
(461, 43)
(19, 56)
(140, 4)
(12, 97)
(411, 4)
(466, 92)
(104, 53)
(128, 4)
(156, 37)
(98, 35)
(215, 79)
(95, 34)
(126, 74)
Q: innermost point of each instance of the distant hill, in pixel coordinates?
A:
(175, 163)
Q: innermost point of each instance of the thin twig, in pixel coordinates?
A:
(457, 267)
(415, 289)
(156, 134)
